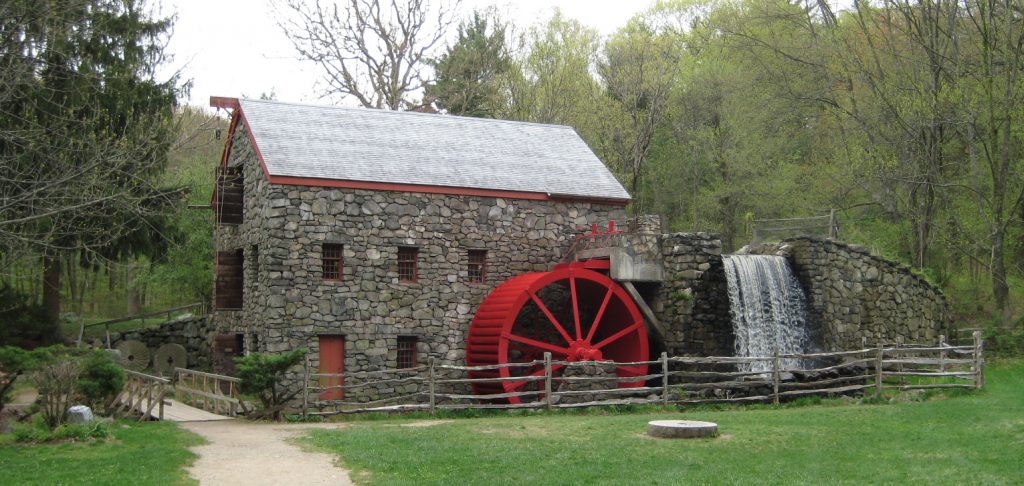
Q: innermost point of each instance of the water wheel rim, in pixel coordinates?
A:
(626, 341)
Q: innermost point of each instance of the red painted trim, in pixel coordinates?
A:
(239, 115)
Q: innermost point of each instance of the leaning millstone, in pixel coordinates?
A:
(79, 414)
(681, 429)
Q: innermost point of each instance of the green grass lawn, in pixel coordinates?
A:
(970, 438)
(147, 453)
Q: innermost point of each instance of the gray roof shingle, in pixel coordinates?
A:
(356, 144)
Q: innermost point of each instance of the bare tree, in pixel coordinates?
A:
(372, 50)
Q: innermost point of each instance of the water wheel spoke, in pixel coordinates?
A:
(536, 344)
(575, 307)
(600, 314)
(513, 385)
(619, 335)
(551, 317)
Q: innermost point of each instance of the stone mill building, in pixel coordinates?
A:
(370, 237)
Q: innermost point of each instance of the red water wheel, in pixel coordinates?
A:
(574, 313)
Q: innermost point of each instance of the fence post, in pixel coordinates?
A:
(430, 385)
(775, 376)
(664, 379)
(878, 371)
(305, 389)
(979, 361)
(163, 391)
(942, 353)
(547, 379)
(833, 225)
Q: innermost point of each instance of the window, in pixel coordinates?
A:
(229, 281)
(333, 260)
(407, 256)
(406, 352)
(477, 265)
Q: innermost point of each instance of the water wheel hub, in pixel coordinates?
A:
(582, 350)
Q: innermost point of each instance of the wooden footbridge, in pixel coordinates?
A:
(198, 396)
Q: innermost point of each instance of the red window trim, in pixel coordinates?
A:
(406, 347)
(480, 263)
(338, 257)
(408, 258)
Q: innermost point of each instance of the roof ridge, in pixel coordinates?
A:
(410, 113)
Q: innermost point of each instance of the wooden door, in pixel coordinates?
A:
(332, 361)
(226, 347)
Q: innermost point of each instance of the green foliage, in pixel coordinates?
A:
(101, 379)
(16, 362)
(37, 431)
(473, 74)
(261, 374)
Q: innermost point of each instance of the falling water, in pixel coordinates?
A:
(769, 309)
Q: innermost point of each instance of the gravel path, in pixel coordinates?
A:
(240, 452)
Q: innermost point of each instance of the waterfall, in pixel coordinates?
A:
(768, 307)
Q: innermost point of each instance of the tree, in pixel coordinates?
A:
(639, 69)
(473, 74)
(375, 51)
(84, 131)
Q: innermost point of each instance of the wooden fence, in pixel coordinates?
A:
(208, 391)
(779, 229)
(142, 393)
(670, 380)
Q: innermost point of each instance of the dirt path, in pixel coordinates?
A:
(241, 452)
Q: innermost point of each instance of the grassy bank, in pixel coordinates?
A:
(973, 438)
(148, 453)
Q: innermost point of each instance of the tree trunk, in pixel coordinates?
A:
(51, 286)
(134, 296)
(1000, 289)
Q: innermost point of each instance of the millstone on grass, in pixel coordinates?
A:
(681, 429)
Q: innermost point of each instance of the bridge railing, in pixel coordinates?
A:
(209, 391)
(141, 393)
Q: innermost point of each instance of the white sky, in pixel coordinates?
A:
(235, 48)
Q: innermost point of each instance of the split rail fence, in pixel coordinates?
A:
(670, 380)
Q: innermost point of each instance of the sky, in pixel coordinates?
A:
(234, 48)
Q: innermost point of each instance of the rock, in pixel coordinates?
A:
(80, 414)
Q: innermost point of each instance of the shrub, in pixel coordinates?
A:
(101, 379)
(57, 384)
(23, 323)
(261, 375)
(15, 362)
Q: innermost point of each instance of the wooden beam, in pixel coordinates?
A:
(653, 324)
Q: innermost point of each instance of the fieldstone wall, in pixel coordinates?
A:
(693, 301)
(287, 303)
(192, 333)
(857, 296)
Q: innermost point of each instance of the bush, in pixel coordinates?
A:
(15, 362)
(101, 379)
(57, 384)
(23, 323)
(38, 431)
(261, 376)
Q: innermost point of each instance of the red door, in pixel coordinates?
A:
(332, 361)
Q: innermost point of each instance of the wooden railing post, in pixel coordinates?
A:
(878, 371)
(547, 380)
(979, 361)
(776, 364)
(942, 354)
(664, 378)
(163, 391)
(305, 388)
(430, 385)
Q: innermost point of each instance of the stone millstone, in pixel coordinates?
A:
(681, 429)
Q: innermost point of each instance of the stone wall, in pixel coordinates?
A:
(193, 333)
(287, 303)
(857, 296)
(693, 302)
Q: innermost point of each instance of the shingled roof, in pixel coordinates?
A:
(298, 142)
